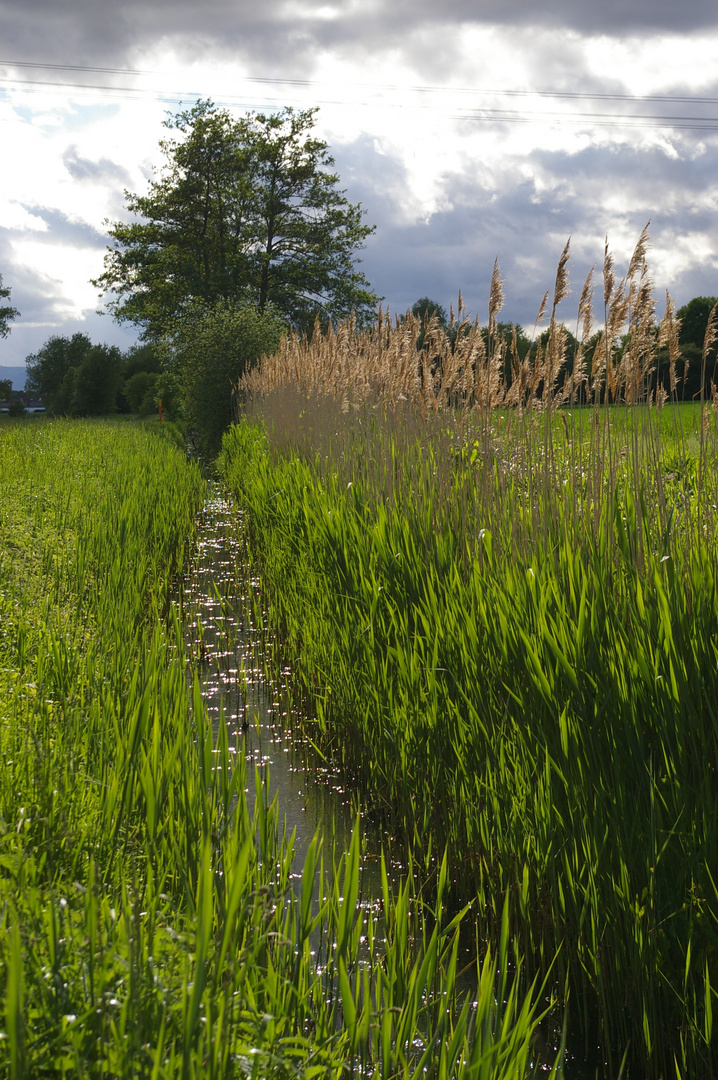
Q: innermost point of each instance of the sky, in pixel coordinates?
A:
(490, 128)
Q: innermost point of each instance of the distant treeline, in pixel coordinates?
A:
(196, 376)
(193, 372)
(76, 378)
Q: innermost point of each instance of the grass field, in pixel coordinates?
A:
(148, 925)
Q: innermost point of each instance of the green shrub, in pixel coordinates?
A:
(141, 392)
(210, 351)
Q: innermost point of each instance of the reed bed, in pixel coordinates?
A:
(469, 367)
(148, 923)
(502, 623)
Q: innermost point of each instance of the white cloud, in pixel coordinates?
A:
(453, 168)
(18, 218)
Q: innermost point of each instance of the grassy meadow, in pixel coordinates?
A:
(149, 925)
(499, 602)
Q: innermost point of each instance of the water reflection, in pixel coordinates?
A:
(227, 637)
(231, 659)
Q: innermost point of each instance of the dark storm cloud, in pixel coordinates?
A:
(454, 249)
(32, 293)
(41, 302)
(65, 230)
(526, 222)
(81, 168)
(26, 337)
(41, 298)
(42, 305)
(287, 35)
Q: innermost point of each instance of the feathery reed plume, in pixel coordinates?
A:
(584, 326)
(609, 279)
(513, 394)
(561, 289)
(556, 347)
(638, 359)
(554, 360)
(711, 333)
(496, 296)
(615, 305)
(616, 316)
(598, 367)
(639, 252)
(585, 307)
(542, 309)
(578, 376)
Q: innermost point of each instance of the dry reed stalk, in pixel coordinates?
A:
(711, 335)
(638, 359)
(469, 367)
(668, 335)
(578, 378)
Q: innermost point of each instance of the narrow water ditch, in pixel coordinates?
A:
(232, 657)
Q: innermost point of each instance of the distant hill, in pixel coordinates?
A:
(15, 374)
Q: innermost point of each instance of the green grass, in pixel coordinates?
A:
(507, 628)
(148, 925)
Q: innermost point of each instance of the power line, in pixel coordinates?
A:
(486, 115)
(141, 91)
(271, 80)
(74, 67)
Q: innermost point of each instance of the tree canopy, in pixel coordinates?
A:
(694, 319)
(243, 210)
(7, 311)
(425, 308)
(75, 377)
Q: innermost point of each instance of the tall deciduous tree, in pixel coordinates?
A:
(247, 211)
(7, 312)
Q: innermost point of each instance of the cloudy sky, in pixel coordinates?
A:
(487, 128)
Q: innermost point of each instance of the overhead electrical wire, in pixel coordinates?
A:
(386, 86)
(490, 114)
